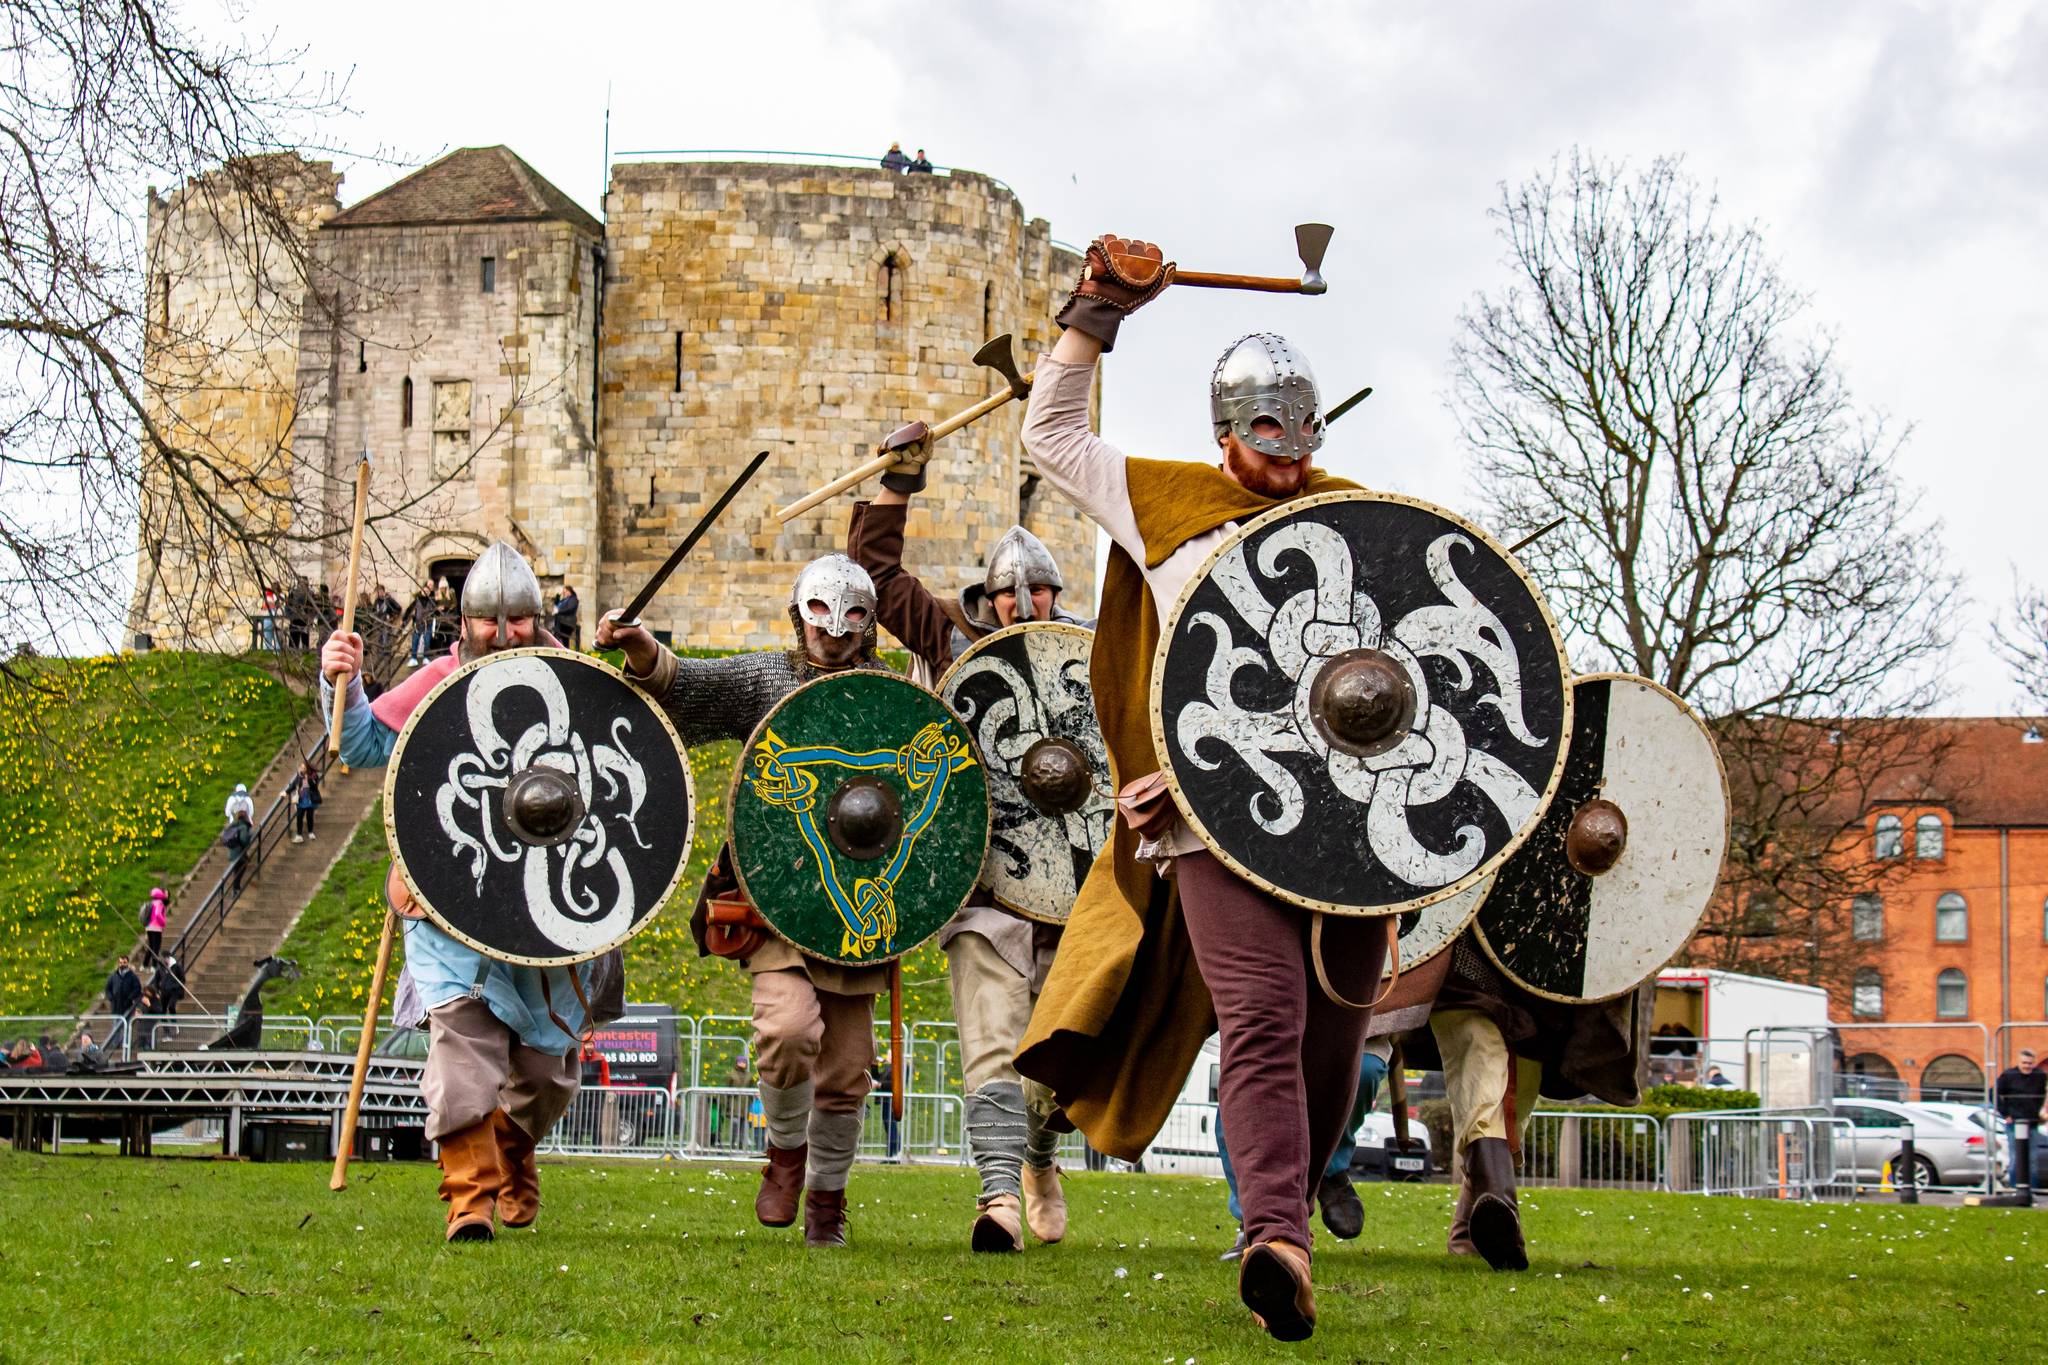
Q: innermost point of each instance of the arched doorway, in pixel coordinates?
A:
(1952, 1077)
(455, 569)
(1871, 1075)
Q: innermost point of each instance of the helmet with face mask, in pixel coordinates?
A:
(1020, 563)
(1262, 376)
(839, 586)
(501, 586)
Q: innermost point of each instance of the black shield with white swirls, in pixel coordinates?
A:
(445, 817)
(1263, 789)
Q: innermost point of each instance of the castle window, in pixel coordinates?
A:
(488, 277)
(891, 285)
(1951, 994)
(1951, 918)
(405, 405)
(678, 388)
(1869, 997)
(163, 301)
(1866, 919)
(988, 311)
(1927, 840)
(451, 427)
(1888, 840)
(362, 356)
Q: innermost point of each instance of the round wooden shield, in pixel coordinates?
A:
(1616, 877)
(859, 817)
(1436, 926)
(1023, 694)
(1359, 703)
(539, 807)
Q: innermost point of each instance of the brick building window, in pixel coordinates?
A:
(487, 276)
(1951, 918)
(1866, 919)
(405, 404)
(451, 426)
(1869, 998)
(1927, 839)
(1760, 917)
(1889, 838)
(1951, 994)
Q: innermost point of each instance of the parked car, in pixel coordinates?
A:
(1981, 1116)
(1372, 1157)
(1945, 1151)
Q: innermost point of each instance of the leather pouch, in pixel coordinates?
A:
(1146, 805)
(734, 929)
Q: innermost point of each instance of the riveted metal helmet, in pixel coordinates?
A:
(501, 585)
(838, 587)
(1263, 376)
(1020, 563)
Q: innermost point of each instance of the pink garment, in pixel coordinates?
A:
(159, 914)
(398, 702)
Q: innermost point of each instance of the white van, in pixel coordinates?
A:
(1186, 1145)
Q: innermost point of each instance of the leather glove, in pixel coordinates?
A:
(1118, 277)
(907, 475)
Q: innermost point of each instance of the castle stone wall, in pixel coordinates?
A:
(809, 312)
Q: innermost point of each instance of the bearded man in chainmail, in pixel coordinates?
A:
(814, 1020)
(996, 959)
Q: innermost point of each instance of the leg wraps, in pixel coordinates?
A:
(996, 1127)
(1041, 1144)
(834, 1139)
(786, 1110)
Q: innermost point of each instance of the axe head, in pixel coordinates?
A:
(1312, 240)
(999, 355)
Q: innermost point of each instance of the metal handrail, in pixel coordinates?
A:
(837, 158)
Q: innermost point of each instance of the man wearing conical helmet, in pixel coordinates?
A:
(503, 1064)
(1166, 942)
(996, 959)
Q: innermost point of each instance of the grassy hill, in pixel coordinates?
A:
(113, 771)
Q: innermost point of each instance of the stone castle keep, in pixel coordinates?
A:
(518, 370)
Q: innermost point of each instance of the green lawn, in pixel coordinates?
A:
(114, 1259)
(112, 776)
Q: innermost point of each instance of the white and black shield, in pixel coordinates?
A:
(539, 806)
(1616, 877)
(1360, 703)
(1023, 694)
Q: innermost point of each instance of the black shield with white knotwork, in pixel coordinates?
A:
(1359, 703)
(539, 806)
(1023, 694)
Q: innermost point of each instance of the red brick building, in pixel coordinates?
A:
(1959, 936)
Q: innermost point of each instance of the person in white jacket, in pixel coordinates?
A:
(240, 801)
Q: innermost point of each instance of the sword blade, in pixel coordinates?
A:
(631, 616)
(1536, 535)
(1348, 404)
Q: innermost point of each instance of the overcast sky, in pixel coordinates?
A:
(1894, 155)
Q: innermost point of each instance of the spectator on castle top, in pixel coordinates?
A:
(239, 800)
(305, 789)
(156, 913)
(567, 630)
(385, 605)
(298, 613)
(420, 616)
(894, 160)
(920, 164)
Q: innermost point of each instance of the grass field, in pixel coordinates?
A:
(111, 1259)
(113, 772)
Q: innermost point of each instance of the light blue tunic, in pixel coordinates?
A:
(443, 969)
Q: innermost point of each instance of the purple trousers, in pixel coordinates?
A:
(1290, 1054)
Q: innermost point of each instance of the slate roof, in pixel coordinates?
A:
(1989, 773)
(469, 185)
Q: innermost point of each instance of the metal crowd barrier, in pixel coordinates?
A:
(1585, 1151)
(1755, 1155)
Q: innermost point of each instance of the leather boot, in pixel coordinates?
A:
(1460, 1241)
(824, 1218)
(999, 1228)
(1343, 1210)
(470, 1180)
(782, 1180)
(1045, 1202)
(1273, 1282)
(1496, 1219)
(519, 1199)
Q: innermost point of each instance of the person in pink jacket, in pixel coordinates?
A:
(155, 915)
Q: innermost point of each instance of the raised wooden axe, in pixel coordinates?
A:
(1310, 239)
(997, 355)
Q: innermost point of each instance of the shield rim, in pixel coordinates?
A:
(1156, 707)
(739, 769)
(1464, 925)
(391, 767)
(1019, 628)
(1727, 828)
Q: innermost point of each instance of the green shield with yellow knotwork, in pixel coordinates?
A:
(859, 817)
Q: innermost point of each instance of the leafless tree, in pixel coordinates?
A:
(2021, 638)
(147, 397)
(1730, 524)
